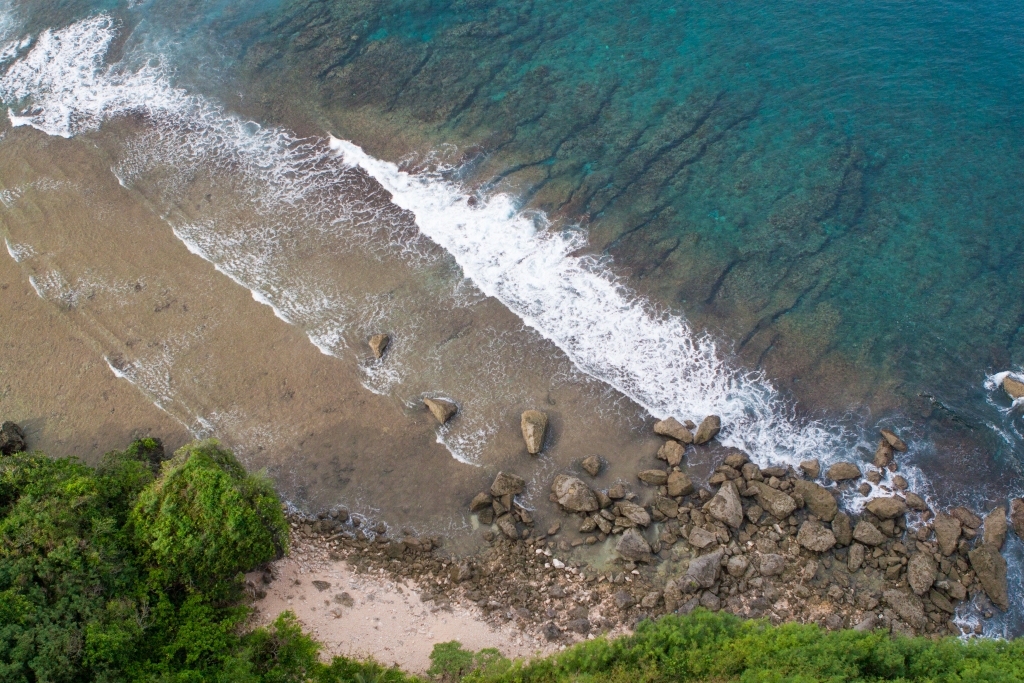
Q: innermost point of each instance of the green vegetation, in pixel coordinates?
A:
(707, 646)
(133, 571)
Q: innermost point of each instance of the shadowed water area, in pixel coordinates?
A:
(831, 190)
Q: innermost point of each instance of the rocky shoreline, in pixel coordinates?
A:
(768, 542)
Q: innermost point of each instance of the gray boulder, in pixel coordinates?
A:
(815, 537)
(534, 424)
(726, 506)
(633, 546)
(708, 429)
(772, 564)
(701, 538)
(909, 607)
(921, 572)
(634, 513)
(705, 569)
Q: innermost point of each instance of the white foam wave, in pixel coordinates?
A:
(578, 303)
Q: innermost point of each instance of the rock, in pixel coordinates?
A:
(623, 600)
(1017, 516)
(995, 528)
(672, 428)
(378, 344)
(592, 465)
(704, 570)
(812, 468)
(900, 483)
(634, 513)
(653, 477)
(752, 472)
(736, 460)
(651, 600)
(633, 546)
(774, 501)
(708, 429)
(12, 438)
(772, 564)
(842, 529)
(534, 424)
(679, 484)
(883, 455)
(921, 573)
(894, 441)
(966, 517)
(617, 492)
(887, 508)
(818, 499)
(868, 534)
(441, 409)
(550, 631)
(737, 566)
(990, 569)
(486, 516)
(940, 601)
(507, 525)
(701, 538)
(507, 485)
(672, 453)
(581, 626)
(947, 532)
(909, 607)
(916, 502)
(481, 501)
(868, 623)
(815, 537)
(710, 601)
(573, 495)
(726, 506)
(954, 589)
(779, 471)
(856, 557)
(1014, 388)
(842, 471)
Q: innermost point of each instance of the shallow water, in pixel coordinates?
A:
(829, 190)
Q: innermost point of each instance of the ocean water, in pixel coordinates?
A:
(805, 217)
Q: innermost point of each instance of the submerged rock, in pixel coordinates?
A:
(673, 429)
(12, 438)
(534, 424)
(441, 409)
(379, 344)
(708, 429)
(990, 568)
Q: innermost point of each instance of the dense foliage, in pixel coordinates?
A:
(707, 646)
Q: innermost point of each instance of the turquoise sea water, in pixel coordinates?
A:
(832, 189)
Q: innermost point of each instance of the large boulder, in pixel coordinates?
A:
(815, 537)
(812, 468)
(672, 453)
(921, 571)
(1017, 516)
(1013, 388)
(883, 455)
(378, 344)
(726, 506)
(704, 570)
(679, 484)
(633, 546)
(887, 507)
(701, 538)
(774, 501)
(990, 568)
(534, 424)
(481, 501)
(818, 499)
(507, 525)
(12, 438)
(915, 502)
(947, 532)
(966, 517)
(507, 484)
(441, 409)
(772, 564)
(708, 429)
(842, 528)
(868, 534)
(856, 557)
(909, 607)
(842, 471)
(634, 513)
(995, 528)
(573, 495)
(893, 440)
(673, 429)
(653, 477)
